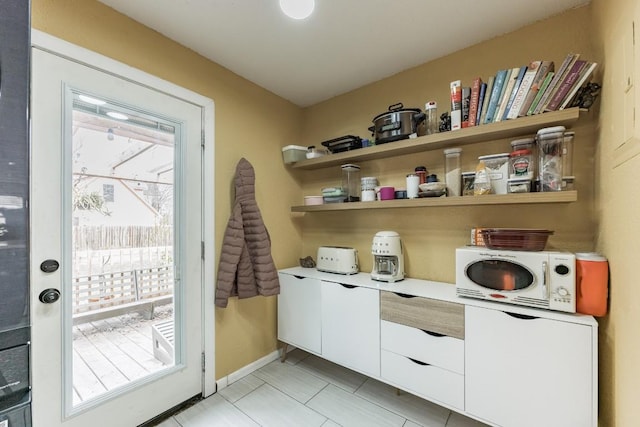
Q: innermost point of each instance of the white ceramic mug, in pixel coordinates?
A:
(368, 195)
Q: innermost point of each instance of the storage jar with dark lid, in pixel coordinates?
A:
(351, 182)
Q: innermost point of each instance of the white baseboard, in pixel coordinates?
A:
(246, 370)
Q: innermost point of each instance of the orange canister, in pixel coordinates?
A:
(592, 283)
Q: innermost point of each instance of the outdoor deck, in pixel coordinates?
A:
(111, 352)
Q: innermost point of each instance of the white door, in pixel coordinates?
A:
(117, 193)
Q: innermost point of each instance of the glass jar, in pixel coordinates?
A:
(549, 142)
(452, 171)
(351, 182)
(431, 120)
(567, 153)
(467, 183)
(421, 171)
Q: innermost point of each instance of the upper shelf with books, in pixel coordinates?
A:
(522, 126)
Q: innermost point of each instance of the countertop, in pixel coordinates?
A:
(436, 290)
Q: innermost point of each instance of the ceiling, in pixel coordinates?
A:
(343, 45)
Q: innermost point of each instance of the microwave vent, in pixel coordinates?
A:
(534, 302)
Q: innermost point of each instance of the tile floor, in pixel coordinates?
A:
(309, 391)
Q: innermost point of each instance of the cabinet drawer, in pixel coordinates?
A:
(425, 380)
(441, 351)
(442, 317)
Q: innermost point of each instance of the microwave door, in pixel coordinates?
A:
(500, 275)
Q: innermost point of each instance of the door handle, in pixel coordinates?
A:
(49, 296)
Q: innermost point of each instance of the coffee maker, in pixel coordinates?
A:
(388, 257)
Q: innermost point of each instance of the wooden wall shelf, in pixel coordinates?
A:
(519, 127)
(490, 199)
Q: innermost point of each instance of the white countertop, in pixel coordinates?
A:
(436, 290)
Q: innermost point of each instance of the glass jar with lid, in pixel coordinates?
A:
(351, 182)
(549, 141)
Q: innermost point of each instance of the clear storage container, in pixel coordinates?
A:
(351, 182)
(498, 167)
(452, 171)
(550, 158)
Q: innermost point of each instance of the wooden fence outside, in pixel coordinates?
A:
(102, 291)
(115, 237)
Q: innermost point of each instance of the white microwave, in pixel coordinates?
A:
(535, 279)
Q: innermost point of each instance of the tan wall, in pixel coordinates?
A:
(617, 213)
(432, 234)
(250, 122)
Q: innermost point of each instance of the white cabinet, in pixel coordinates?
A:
(299, 308)
(523, 371)
(351, 327)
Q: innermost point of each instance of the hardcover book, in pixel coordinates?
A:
(475, 100)
(584, 76)
(456, 105)
(565, 86)
(543, 88)
(483, 92)
(506, 93)
(557, 78)
(498, 83)
(525, 85)
(466, 101)
(487, 96)
(543, 70)
(514, 90)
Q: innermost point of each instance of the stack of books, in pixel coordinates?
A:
(523, 91)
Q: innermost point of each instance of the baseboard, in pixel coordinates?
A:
(246, 370)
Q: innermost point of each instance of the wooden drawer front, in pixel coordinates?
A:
(442, 317)
(427, 381)
(441, 351)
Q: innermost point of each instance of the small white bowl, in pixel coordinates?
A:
(432, 186)
(313, 200)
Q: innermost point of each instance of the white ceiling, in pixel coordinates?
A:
(344, 45)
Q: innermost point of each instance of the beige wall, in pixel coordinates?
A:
(250, 122)
(432, 234)
(617, 213)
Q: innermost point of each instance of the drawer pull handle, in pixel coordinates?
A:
(404, 295)
(298, 277)
(417, 362)
(347, 286)
(521, 316)
(433, 334)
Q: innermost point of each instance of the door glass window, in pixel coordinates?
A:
(500, 275)
(123, 256)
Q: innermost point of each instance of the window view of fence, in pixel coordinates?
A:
(121, 265)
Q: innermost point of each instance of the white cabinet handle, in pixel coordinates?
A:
(520, 316)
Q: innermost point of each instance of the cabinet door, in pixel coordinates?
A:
(525, 371)
(299, 312)
(351, 327)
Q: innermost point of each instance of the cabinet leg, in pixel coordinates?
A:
(283, 354)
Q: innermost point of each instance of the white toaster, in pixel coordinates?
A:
(337, 259)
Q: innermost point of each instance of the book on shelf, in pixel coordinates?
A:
(525, 85)
(474, 101)
(466, 101)
(481, 98)
(514, 90)
(456, 104)
(485, 101)
(543, 88)
(544, 68)
(512, 76)
(498, 83)
(557, 78)
(584, 76)
(565, 86)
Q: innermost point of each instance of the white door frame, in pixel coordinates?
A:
(92, 59)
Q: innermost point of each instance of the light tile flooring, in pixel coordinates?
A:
(310, 391)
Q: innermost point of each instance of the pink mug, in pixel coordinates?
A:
(387, 193)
